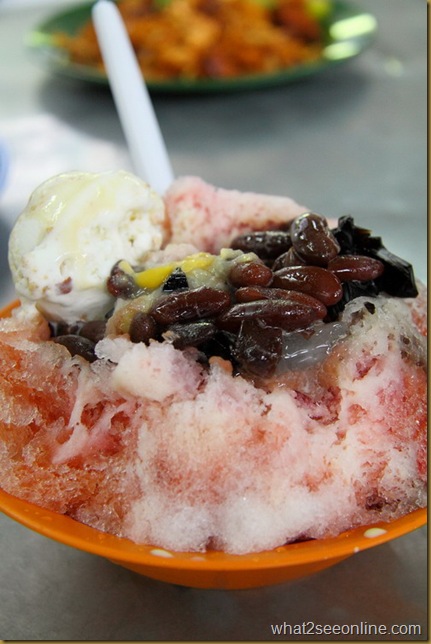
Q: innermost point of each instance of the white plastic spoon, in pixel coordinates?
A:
(141, 128)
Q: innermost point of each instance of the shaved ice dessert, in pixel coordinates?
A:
(211, 369)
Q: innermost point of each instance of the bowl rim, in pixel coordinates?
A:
(71, 532)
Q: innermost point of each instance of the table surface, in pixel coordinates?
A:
(349, 141)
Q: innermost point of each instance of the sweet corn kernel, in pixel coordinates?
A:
(153, 277)
(125, 267)
(199, 260)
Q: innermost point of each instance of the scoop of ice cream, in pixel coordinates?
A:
(73, 229)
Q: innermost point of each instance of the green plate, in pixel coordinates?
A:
(347, 32)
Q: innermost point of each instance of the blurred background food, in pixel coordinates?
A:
(198, 39)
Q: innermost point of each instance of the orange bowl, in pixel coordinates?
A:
(210, 569)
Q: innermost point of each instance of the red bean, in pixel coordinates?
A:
(93, 330)
(120, 284)
(77, 346)
(286, 314)
(291, 258)
(257, 348)
(190, 334)
(313, 280)
(267, 244)
(194, 304)
(250, 273)
(313, 240)
(253, 293)
(142, 328)
(356, 267)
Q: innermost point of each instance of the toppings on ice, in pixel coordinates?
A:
(249, 304)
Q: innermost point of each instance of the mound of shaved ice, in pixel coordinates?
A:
(210, 217)
(146, 443)
(150, 444)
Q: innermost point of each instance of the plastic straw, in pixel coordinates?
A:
(141, 128)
